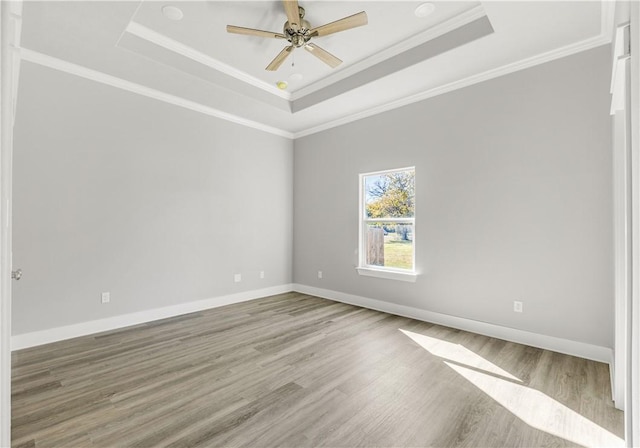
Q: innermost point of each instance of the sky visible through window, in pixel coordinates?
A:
(369, 181)
(390, 194)
(390, 197)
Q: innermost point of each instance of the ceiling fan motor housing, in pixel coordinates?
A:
(301, 37)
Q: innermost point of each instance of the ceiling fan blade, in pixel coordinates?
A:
(253, 32)
(278, 60)
(293, 13)
(341, 25)
(323, 55)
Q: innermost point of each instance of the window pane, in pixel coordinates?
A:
(390, 195)
(390, 245)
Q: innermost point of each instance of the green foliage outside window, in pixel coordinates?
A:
(391, 195)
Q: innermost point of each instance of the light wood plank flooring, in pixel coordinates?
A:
(300, 371)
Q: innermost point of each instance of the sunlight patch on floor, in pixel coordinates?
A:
(533, 407)
(457, 353)
(540, 411)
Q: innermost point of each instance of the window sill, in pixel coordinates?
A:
(390, 275)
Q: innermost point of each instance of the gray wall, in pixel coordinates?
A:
(157, 204)
(161, 205)
(513, 202)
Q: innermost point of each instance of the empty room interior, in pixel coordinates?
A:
(319, 223)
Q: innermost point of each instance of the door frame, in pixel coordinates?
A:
(10, 27)
(632, 383)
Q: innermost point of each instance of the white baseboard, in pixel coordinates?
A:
(35, 338)
(566, 346)
(617, 390)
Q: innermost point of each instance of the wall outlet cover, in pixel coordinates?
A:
(517, 306)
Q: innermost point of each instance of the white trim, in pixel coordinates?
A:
(619, 82)
(58, 64)
(35, 338)
(558, 53)
(94, 75)
(452, 24)
(618, 68)
(382, 272)
(607, 17)
(621, 221)
(392, 170)
(11, 27)
(632, 392)
(621, 208)
(574, 348)
(612, 380)
(168, 43)
(400, 220)
(172, 45)
(566, 346)
(15, 8)
(5, 294)
(619, 41)
(387, 274)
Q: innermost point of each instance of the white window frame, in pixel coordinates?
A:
(408, 275)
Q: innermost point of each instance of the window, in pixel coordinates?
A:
(387, 224)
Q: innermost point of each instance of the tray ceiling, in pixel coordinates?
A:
(396, 59)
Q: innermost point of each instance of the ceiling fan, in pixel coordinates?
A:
(299, 32)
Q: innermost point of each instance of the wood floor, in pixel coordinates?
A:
(300, 371)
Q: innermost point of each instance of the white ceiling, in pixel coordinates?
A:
(387, 26)
(396, 59)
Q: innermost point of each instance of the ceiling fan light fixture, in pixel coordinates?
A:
(282, 85)
(172, 12)
(425, 10)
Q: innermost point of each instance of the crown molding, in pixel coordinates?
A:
(167, 43)
(103, 78)
(542, 58)
(170, 44)
(605, 37)
(177, 47)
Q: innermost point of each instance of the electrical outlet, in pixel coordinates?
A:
(261, 274)
(319, 274)
(237, 278)
(106, 297)
(517, 306)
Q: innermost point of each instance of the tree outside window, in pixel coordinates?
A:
(388, 220)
